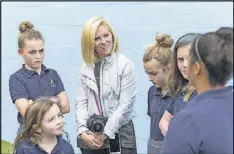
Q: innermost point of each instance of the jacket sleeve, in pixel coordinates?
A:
(81, 106)
(128, 91)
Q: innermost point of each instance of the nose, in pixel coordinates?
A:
(103, 40)
(185, 63)
(59, 121)
(38, 55)
(150, 77)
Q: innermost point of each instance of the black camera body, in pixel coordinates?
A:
(96, 123)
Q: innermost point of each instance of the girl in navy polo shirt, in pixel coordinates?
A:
(206, 124)
(34, 79)
(157, 64)
(43, 126)
(178, 84)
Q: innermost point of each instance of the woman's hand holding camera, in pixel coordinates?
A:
(91, 139)
(101, 137)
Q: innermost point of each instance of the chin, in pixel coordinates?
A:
(58, 133)
(157, 86)
(185, 76)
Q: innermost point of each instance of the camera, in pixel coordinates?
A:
(96, 123)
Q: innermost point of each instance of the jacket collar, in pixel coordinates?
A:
(88, 69)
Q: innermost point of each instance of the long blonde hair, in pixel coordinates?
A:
(88, 38)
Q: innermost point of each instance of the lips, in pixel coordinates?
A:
(60, 128)
(104, 47)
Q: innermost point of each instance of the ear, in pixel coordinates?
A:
(197, 68)
(167, 69)
(38, 130)
(20, 51)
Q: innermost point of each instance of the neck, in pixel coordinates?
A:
(38, 70)
(164, 90)
(205, 86)
(48, 143)
(48, 139)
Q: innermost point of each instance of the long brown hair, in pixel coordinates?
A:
(176, 81)
(33, 117)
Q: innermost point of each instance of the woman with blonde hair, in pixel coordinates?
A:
(157, 65)
(106, 93)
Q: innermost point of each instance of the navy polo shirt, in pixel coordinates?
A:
(30, 85)
(62, 147)
(204, 126)
(178, 102)
(157, 104)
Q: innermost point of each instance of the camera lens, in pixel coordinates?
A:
(97, 127)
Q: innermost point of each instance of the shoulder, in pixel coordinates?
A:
(123, 59)
(152, 89)
(186, 122)
(66, 146)
(17, 78)
(124, 64)
(53, 71)
(17, 74)
(25, 147)
(84, 67)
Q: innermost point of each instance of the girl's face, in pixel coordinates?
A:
(182, 59)
(191, 75)
(103, 42)
(155, 73)
(52, 122)
(33, 54)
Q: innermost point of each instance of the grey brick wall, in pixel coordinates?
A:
(135, 23)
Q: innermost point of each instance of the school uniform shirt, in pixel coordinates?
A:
(29, 84)
(178, 102)
(204, 126)
(157, 104)
(62, 147)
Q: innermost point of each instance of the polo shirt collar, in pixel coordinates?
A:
(158, 93)
(30, 73)
(57, 146)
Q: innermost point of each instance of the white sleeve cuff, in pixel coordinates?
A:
(81, 130)
(109, 133)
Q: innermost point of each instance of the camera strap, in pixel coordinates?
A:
(97, 104)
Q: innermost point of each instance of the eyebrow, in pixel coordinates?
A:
(52, 116)
(107, 33)
(152, 72)
(36, 50)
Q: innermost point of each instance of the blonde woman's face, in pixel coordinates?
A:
(103, 42)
